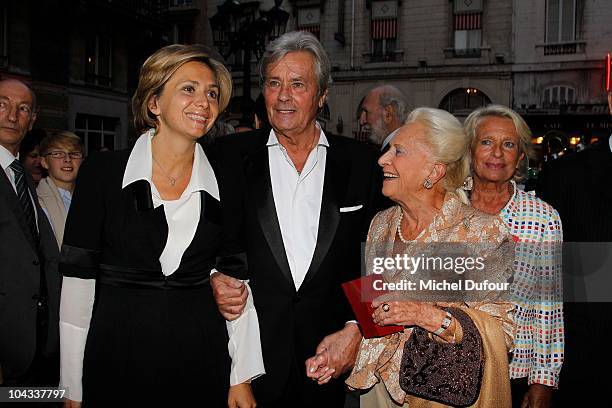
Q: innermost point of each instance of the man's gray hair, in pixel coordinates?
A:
(392, 96)
(296, 41)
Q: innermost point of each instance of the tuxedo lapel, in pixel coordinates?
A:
(336, 179)
(6, 189)
(260, 186)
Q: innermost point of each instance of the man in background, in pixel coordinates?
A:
(383, 111)
(29, 280)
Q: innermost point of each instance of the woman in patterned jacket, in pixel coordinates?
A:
(500, 149)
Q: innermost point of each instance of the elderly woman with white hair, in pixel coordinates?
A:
(451, 350)
(500, 145)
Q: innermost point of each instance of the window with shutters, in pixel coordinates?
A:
(558, 95)
(467, 26)
(384, 30)
(309, 19)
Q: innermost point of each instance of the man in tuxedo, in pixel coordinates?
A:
(383, 110)
(29, 280)
(580, 189)
(308, 199)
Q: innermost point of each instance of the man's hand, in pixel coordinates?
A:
(241, 396)
(537, 396)
(336, 354)
(230, 295)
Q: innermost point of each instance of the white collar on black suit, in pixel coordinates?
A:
(6, 158)
(610, 142)
(140, 167)
(298, 198)
(179, 213)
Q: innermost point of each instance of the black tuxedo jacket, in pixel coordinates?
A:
(22, 260)
(293, 322)
(579, 187)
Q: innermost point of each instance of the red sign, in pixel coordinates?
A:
(608, 73)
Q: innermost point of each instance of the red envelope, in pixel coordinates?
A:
(359, 292)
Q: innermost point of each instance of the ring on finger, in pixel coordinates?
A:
(386, 307)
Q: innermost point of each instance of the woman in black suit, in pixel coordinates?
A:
(144, 231)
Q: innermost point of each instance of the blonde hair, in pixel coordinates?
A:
(522, 129)
(158, 69)
(64, 139)
(448, 142)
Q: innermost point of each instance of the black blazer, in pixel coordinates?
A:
(579, 187)
(116, 235)
(293, 322)
(22, 260)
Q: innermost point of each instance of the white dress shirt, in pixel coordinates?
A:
(297, 198)
(78, 294)
(6, 158)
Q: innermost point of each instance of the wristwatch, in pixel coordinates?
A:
(448, 319)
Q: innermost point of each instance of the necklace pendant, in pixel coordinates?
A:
(172, 181)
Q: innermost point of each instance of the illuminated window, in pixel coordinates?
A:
(98, 60)
(462, 101)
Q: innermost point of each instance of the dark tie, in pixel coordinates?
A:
(24, 196)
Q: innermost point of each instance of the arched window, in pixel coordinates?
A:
(462, 101)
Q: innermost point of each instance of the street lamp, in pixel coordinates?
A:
(237, 31)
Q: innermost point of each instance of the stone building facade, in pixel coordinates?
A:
(459, 54)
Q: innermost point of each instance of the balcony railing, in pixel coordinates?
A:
(564, 48)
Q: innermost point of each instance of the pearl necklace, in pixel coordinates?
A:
(399, 228)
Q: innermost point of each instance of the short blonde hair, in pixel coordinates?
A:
(158, 69)
(64, 139)
(522, 129)
(448, 142)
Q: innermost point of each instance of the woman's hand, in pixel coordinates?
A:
(399, 312)
(241, 396)
(424, 315)
(72, 404)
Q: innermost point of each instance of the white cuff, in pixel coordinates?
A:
(76, 305)
(244, 344)
(72, 348)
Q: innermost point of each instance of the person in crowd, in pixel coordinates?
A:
(144, 231)
(500, 147)
(261, 114)
(30, 289)
(580, 188)
(382, 111)
(61, 155)
(219, 129)
(29, 154)
(309, 197)
(424, 170)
